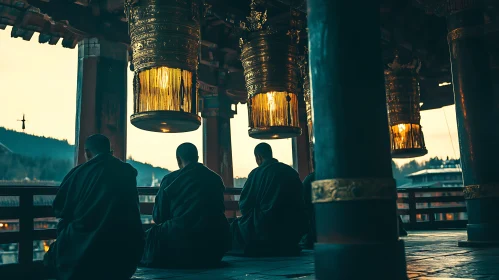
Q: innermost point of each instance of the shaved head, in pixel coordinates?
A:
(98, 144)
(186, 153)
(263, 151)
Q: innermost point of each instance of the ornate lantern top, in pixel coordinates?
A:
(269, 58)
(403, 97)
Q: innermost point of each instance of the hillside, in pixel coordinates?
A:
(36, 146)
(46, 158)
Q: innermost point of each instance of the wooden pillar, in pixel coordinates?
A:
(217, 147)
(477, 113)
(101, 95)
(301, 145)
(355, 196)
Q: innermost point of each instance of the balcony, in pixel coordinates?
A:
(431, 248)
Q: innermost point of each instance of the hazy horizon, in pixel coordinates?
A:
(39, 80)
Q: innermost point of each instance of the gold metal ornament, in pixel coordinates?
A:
(269, 59)
(481, 191)
(345, 189)
(403, 97)
(165, 41)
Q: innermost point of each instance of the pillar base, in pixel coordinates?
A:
(481, 235)
(478, 244)
(360, 261)
(483, 223)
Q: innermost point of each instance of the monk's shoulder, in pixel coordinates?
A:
(211, 175)
(126, 168)
(288, 168)
(281, 168)
(170, 177)
(131, 169)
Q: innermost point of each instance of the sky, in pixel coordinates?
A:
(40, 81)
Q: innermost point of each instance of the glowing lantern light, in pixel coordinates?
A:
(270, 67)
(165, 40)
(402, 97)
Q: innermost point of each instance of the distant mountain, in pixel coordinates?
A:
(146, 171)
(36, 146)
(58, 153)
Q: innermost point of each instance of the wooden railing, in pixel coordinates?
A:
(428, 208)
(410, 201)
(26, 211)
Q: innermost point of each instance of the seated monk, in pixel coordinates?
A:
(273, 217)
(190, 229)
(99, 234)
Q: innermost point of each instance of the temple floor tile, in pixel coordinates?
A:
(430, 255)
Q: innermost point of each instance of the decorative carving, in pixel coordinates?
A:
(256, 20)
(303, 65)
(353, 189)
(269, 59)
(207, 88)
(466, 32)
(295, 26)
(481, 191)
(165, 42)
(402, 98)
(164, 33)
(294, 34)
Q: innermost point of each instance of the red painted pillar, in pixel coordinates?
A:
(302, 160)
(217, 148)
(301, 148)
(101, 95)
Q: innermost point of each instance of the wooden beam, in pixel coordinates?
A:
(81, 20)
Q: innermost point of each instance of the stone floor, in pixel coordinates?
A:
(431, 255)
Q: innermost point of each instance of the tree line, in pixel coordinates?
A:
(16, 167)
(399, 171)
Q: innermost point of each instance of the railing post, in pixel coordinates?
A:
(26, 224)
(431, 216)
(412, 207)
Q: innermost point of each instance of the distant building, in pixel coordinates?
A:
(448, 175)
(155, 181)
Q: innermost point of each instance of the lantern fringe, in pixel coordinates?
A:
(406, 136)
(164, 89)
(272, 109)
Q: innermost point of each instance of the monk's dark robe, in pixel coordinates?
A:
(273, 217)
(99, 235)
(190, 226)
(309, 238)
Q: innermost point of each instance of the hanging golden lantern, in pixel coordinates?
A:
(165, 40)
(269, 59)
(402, 97)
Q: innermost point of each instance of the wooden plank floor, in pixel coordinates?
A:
(431, 255)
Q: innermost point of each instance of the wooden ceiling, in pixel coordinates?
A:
(404, 26)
